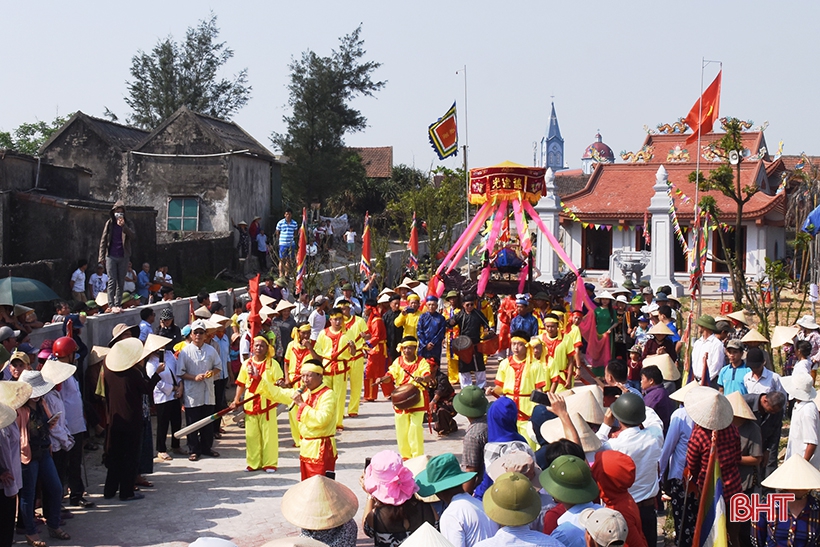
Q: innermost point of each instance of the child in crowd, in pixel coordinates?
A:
(641, 333)
(634, 365)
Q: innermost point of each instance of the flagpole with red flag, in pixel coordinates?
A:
(301, 255)
(364, 264)
(413, 245)
(254, 320)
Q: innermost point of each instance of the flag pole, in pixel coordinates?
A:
(466, 171)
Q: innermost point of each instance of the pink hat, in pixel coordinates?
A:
(388, 480)
(45, 349)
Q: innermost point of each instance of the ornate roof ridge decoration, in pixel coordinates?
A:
(744, 125)
(596, 155)
(644, 154)
(678, 155)
(679, 126)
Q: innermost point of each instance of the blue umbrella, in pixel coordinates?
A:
(21, 290)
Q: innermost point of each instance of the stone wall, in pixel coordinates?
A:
(192, 258)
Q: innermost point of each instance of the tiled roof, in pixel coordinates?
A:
(569, 181)
(120, 137)
(623, 191)
(377, 161)
(663, 144)
(791, 161)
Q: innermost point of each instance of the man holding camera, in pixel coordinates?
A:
(115, 251)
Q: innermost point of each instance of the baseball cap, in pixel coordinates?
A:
(321, 299)
(606, 526)
(7, 332)
(646, 290)
(199, 324)
(734, 344)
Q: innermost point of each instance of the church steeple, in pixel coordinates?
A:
(554, 132)
(552, 146)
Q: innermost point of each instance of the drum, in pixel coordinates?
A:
(489, 345)
(463, 347)
(406, 397)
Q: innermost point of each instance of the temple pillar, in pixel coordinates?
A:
(662, 266)
(549, 210)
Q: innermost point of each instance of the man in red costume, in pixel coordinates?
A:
(377, 352)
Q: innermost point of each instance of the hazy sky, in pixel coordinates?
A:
(613, 66)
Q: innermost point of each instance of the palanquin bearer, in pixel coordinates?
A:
(261, 430)
(377, 352)
(298, 351)
(335, 348)
(409, 369)
(356, 329)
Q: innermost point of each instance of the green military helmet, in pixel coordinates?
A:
(629, 408)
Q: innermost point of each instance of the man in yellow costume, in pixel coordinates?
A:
(452, 307)
(335, 347)
(408, 319)
(558, 350)
(517, 377)
(356, 329)
(261, 430)
(298, 351)
(409, 368)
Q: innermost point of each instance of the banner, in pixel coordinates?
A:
(443, 134)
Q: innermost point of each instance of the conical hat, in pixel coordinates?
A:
(664, 362)
(266, 313)
(552, 430)
(426, 536)
(593, 388)
(417, 465)
(153, 343)
(319, 503)
(708, 408)
(102, 299)
(587, 406)
(754, 336)
(97, 354)
(266, 300)
(7, 415)
(57, 372)
(738, 316)
(281, 306)
(794, 474)
(202, 312)
(219, 319)
(740, 407)
(680, 394)
(660, 328)
(124, 355)
(14, 394)
(783, 335)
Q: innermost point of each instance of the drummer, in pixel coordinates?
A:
(452, 306)
(471, 323)
(409, 370)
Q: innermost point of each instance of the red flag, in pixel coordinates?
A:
(413, 245)
(704, 113)
(364, 265)
(301, 255)
(254, 321)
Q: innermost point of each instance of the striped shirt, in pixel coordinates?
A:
(287, 231)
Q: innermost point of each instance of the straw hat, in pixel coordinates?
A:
(552, 430)
(121, 329)
(295, 541)
(587, 405)
(266, 300)
(738, 316)
(57, 372)
(794, 474)
(416, 466)
(387, 291)
(754, 336)
(661, 328)
(622, 290)
(102, 299)
(266, 313)
(740, 407)
(7, 415)
(680, 394)
(663, 361)
(807, 322)
(202, 312)
(39, 385)
(153, 343)
(426, 536)
(14, 394)
(124, 355)
(799, 386)
(383, 299)
(97, 354)
(218, 319)
(595, 389)
(708, 408)
(281, 306)
(319, 503)
(410, 283)
(783, 335)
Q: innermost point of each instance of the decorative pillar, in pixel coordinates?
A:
(662, 266)
(549, 210)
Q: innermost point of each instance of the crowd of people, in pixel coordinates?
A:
(556, 451)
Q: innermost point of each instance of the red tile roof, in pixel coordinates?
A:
(664, 144)
(377, 161)
(623, 191)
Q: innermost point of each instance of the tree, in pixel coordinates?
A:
(173, 75)
(28, 137)
(321, 90)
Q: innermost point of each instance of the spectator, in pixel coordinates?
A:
(242, 244)
(61, 309)
(350, 240)
(655, 396)
(286, 233)
(163, 278)
(615, 473)
(166, 394)
(303, 307)
(569, 481)
(804, 430)
(144, 283)
(606, 528)
(323, 509)
(732, 374)
(472, 403)
(98, 282)
(78, 281)
(146, 327)
(317, 316)
(346, 291)
(261, 248)
(8, 342)
(797, 477)
(130, 284)
(115, 250)
(708, 354)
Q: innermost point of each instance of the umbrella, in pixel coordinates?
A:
(21, 290)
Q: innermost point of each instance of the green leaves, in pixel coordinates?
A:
(28, 137)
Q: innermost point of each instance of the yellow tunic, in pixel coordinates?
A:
(408, 321)
(558, 351)
(409, 423)
(517, 381)
(261, 429)
(354, 328)
(328, 345)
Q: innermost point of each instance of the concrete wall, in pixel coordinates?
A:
(249, 194)
(17, 172)
(198, 257)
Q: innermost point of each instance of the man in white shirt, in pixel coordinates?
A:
(98, 282)
(804, 431)
(760, 380)
(317, 316)
(641, 440)
(78, 281)
(463, 521)
(707, 351)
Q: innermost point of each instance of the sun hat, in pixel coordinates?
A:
(442, 472)
(280, 307)
(783, 335)
(266, 300)
(471, 402)
(621, 298)
(739, 315)
(708, 408)
(647, 290)
(587, 404)
(202, 312)
(707, 322)
(388, 480)
(14, 394)
(800, 386)
(680, 394)
(347, 287)
(754, 336)
(512, 500)
(8, 332)
(101, 299)
(165, 314)
(734, 343)
(124, 355)
(411, 283)
(605, 526)
(416, 466)
(39, 385)
(295, 541)
(569, 479)
(451, 294)
(553, 430)
(621, 290)
(796, 473)
(121, 329)
(426, 536)
(7, 415)
(57, 372)
(661, 296)
(807, 322)
(629, 408)
(153, 343)
(388, 291)
(669, 370)
(266, 313)
(660, 328)
(97, 354)
(319, 503)
(604, 295)
(740, 408)
(383, 299)
(516, 461)
(637, 300)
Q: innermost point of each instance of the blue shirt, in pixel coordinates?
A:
(528, 323)
(519, 536)
(675, 335)
(287, 231)
(673, 455)
(145, 330)
(731, 379)
(431, 329)
(143, 282)
(568, 531)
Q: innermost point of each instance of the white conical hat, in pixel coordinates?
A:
(587, 406)
(426, 536)
(740, 407)
(319, 503)
(739, 315)
(680, 394)
(664, 362)
(153, 343)
(795, 474)
(783, 335)
(708, 408)
(553, 429)
(592, 388)
(417, 465)
(754, 336)
(7, 415)
(14, 394)
(660, 328)
(266, 300)
(57, 372)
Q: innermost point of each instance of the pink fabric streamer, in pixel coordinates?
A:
(522, 278)
(470, 233)
(500, 215)
(523, 233)
(482, 212)
(483, 279)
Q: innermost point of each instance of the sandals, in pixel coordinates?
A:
(193, 457)
(144, 483)
(58, 533)
(35, 542)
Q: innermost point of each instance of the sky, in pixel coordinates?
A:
(612, 67)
